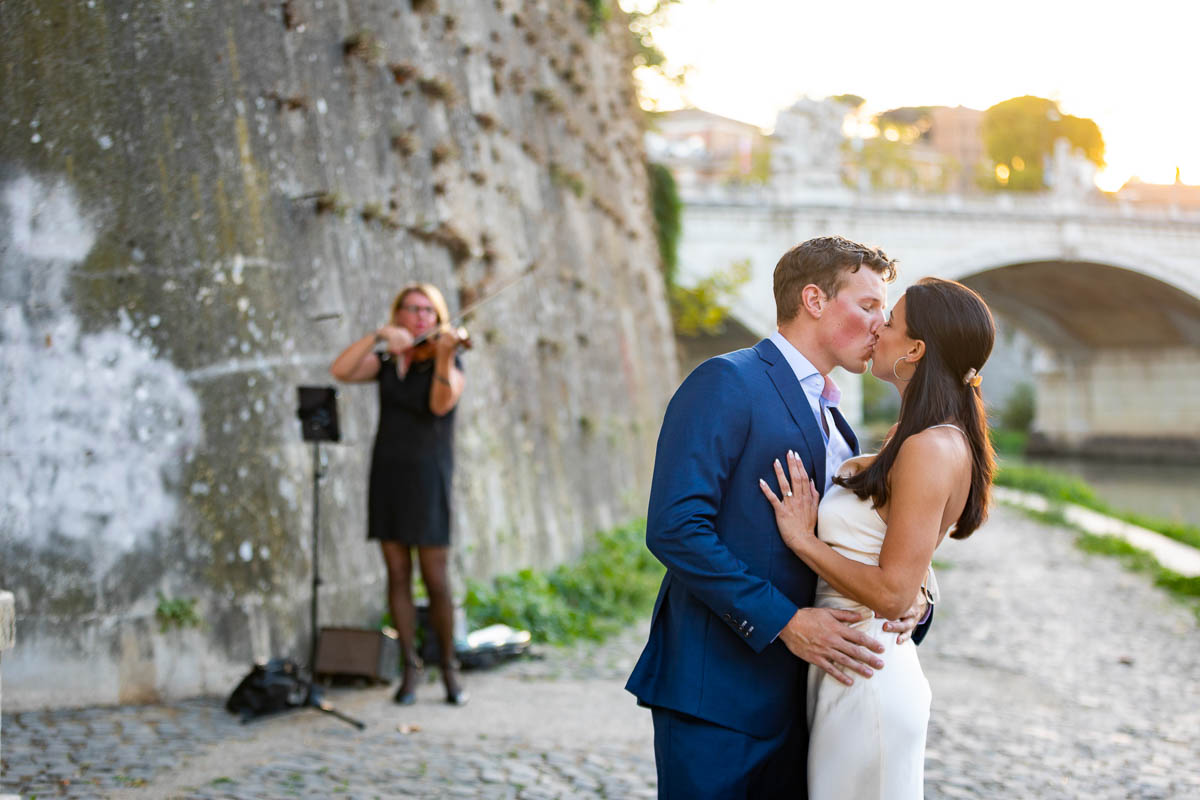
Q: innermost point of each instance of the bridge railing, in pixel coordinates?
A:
(1006, 203)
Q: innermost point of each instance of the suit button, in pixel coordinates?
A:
(728, 617)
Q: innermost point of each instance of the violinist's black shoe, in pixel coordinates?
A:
(404, 696)
(458, 697)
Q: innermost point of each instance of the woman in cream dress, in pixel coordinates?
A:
(872, 537)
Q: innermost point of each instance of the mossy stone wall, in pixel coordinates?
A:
(201, 203)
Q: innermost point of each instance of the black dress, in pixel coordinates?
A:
(413, 460)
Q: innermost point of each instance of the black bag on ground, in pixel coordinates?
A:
(277, 685)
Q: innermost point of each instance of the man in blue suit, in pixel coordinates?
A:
(734, 628)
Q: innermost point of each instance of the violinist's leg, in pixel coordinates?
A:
(435, 574)
(397, 556)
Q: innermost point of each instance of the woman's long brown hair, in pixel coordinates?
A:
(958, 331)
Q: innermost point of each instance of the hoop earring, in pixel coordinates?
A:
(897, 374)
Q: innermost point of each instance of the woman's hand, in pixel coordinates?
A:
(796, 512)
(398, 339)
(448, 339)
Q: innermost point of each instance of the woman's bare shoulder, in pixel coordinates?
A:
(935, 447)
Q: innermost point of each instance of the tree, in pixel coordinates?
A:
(1019, 135)
(852, 100)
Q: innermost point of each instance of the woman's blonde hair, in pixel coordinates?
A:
(430, 291)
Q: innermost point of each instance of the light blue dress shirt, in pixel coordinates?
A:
(837, 450)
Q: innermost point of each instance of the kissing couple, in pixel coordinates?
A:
(782, 658)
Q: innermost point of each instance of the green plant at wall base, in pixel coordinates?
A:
(611, 586)
(177, 612)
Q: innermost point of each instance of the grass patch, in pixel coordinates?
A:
(1009, 442)
(1054, 486)
(1060, 488)
(611, 586)
(1181, 587)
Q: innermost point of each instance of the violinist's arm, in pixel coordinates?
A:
(448, 382)
(358, 362)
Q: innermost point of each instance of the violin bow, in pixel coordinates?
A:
(462, 314)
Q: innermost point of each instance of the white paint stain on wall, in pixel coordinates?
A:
(93, 426)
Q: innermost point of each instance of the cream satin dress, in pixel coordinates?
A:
(867, 740)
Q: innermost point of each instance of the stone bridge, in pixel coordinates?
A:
(1110, 293)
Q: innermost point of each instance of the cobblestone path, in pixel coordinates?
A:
(1055, 675)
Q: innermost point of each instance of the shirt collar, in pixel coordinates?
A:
(796, 360)
(814, 383)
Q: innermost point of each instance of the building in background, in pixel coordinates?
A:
(701, 148)
(1178, 194)
(954, 134)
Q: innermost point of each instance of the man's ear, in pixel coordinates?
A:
(813, 300)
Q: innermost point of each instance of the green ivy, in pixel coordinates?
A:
(177, 612)
(668, 217)
(611, 586)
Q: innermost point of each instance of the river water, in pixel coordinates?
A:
(1167, 491)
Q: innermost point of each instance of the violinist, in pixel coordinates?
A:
(414, 360)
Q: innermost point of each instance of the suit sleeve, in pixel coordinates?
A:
(919, 632)
(703, 434)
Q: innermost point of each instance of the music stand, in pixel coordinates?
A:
(318, 423)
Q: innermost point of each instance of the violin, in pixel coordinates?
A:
(425, 347)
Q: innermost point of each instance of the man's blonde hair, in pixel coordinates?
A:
(824, 262)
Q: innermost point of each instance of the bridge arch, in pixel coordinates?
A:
(1076, 306)
(1113, 296)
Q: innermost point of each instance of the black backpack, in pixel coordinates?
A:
(278, 685)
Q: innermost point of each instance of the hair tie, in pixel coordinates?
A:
(972, 378)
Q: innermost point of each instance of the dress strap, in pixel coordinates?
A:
(947, 425)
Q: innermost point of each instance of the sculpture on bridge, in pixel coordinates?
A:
(807, 147)
(1069, 173)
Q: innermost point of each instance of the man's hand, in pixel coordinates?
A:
(823, 637)
(908, 623)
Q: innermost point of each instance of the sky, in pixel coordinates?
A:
(1133, 68)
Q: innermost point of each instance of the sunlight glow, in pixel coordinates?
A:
(1131, 73)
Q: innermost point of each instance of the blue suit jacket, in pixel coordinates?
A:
(731, 583)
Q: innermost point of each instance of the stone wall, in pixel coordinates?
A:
(8, 635)
(202, 203)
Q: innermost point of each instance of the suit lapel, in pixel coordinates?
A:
(844, 427)
(792, 392)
